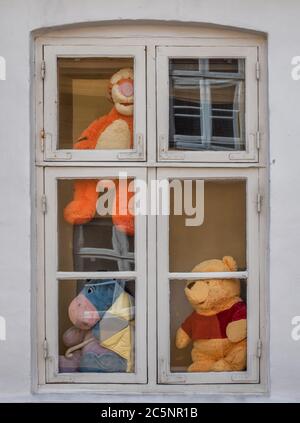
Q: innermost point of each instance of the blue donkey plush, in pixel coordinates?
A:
(102, 338)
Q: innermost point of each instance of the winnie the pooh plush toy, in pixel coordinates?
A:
(109, 132)
(218, 326)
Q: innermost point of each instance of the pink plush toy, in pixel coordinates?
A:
(101, 338)
(80, 360)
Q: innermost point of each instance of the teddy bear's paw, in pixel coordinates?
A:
(79, 212)
(221, 366)
(237, 358)
(202, 357)
(201, 366)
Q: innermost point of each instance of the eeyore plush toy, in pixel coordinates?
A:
(102, 338)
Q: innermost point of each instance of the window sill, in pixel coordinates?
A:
(143, 390)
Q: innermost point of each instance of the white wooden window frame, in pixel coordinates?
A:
(152, 36)
(53, 276)
(51, 118)
(165, 277)
(250, 54)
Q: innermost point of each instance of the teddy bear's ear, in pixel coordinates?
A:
(230, 262)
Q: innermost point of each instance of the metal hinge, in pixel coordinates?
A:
(258, 140)
(42, 139)
(257, 69)
(258, 202)
(43, 69)
(45, 349)
(259, 348)
(44, 203)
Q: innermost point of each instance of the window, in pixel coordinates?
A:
(207, 101)
(210, 95)
(151, 166)
(107, 262)
(229, 216)
(77, 92)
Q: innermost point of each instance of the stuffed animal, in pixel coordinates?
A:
(218, 326)
(102, 338)
(112, 131)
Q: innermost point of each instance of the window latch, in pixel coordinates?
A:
(42, 139)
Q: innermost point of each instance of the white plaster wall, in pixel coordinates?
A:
(280, 20)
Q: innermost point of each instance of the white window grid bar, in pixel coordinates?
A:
(208, 275)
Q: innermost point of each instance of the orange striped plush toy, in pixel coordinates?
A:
(110, 132)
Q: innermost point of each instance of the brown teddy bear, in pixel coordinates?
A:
(218, 326)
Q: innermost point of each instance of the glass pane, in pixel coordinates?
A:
(95, 229)
(225, 65)
(211, 222)
(96, 326)
(208, 330)
(96, 97)
(207, 104)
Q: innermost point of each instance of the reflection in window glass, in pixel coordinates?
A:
(207, 104)
(89, 241)
(208, 327)
(96, 97)
(96, 326)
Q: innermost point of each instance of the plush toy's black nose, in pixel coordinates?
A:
(191, 284)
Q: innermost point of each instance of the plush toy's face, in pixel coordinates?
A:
(82, 312)
(122, 91)
(208, 295)
(92, 302)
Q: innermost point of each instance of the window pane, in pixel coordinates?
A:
(207, 104)
(95, 229)
(91, 89)
(211, 222)
(96, 326)
(225, 65)
(211, 336)
(225, 117)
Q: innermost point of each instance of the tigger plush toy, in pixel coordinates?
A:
(113, 131)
